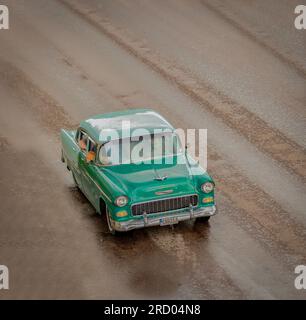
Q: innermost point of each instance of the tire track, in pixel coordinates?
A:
(267, 139)
(45, 109)
(247, 33)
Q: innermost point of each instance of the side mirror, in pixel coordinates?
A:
(90, 156)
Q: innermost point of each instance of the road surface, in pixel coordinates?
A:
(237, 68)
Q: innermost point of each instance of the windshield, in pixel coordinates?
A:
(140, 149)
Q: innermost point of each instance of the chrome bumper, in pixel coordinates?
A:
(147, 221)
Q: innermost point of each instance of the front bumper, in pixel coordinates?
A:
(147, 221)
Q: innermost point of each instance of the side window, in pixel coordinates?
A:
(77, 135)
(92, 146)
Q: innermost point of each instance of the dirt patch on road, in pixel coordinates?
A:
(3, 144)
(48, 112)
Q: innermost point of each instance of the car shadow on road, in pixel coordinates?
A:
(157, 260)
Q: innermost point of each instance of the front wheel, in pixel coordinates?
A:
(110, 228)
(203, 219)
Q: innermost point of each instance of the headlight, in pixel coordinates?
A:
(207, 187)
(121, 201)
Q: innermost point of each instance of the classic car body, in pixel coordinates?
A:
(135, 195)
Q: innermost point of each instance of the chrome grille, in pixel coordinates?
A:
(164, 205)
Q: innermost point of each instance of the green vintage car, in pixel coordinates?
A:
(144, 192)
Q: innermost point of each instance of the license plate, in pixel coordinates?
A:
(168, 220)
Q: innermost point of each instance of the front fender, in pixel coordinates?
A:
(109, 188)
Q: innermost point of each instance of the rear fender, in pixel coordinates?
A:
(70, 148)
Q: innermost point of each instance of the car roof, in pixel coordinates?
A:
(139, 118)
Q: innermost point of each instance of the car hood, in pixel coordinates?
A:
(142, 182)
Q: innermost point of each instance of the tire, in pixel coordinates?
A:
(74, 180)
(110, 228)
(203, 219)
(62, 157)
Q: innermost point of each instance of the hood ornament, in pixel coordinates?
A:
(158, 177)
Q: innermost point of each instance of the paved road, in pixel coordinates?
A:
(235, 67)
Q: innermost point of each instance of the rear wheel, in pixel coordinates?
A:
(75, 181)
(62, 156)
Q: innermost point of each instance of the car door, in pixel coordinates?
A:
(89, 173)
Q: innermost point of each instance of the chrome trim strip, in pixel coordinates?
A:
(97, 186)
(160, 193)
(148, 221)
